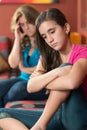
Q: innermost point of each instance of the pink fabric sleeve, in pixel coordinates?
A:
(78, 52)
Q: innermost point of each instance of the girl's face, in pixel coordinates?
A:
(53, 34)
(27, 27)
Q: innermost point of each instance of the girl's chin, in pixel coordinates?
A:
(55, 48)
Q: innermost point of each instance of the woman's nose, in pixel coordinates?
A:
(26, 26)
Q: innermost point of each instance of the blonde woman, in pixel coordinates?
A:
(24, 55)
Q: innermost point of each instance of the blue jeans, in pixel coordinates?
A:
(15, 89)
(72, 115)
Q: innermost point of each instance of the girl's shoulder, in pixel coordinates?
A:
(79, 48)
(78, 51)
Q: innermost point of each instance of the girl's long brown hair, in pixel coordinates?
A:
(50, 57)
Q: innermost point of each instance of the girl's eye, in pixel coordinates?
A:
(52, 32)
(44, 37)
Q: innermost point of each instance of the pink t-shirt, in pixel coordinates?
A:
(79, 52)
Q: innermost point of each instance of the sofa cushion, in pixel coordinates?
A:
(5, 47)
(3, 65)
(28, 105)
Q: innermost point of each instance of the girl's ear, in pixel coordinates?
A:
(67, 28)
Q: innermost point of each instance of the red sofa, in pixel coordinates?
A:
(5, 47)
(6, 71)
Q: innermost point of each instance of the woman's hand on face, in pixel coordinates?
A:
(18, 35)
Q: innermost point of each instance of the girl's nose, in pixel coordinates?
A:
(50, 39)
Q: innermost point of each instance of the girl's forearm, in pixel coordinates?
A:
(47, 79)
(60, 84)
(39, 82)
(69, 81)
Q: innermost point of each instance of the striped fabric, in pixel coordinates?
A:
(5, 47)
(27, 105)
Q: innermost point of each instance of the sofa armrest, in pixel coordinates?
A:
(5, 47)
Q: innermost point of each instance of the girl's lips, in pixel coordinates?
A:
(53, 45)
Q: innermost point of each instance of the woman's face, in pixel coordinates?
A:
(53, 34)
(27, 27)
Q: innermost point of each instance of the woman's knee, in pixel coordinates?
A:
(16, 90)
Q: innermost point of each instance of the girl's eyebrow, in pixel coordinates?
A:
(50, 29)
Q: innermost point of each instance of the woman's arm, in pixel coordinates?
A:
(15, 54)
(28, 70)
(73, 79)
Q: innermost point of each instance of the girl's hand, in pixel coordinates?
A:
(63, 70)
(35, 73)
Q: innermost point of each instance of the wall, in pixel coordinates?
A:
(69, 8)
(82, 19)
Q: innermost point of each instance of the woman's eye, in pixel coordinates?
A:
(21, 24)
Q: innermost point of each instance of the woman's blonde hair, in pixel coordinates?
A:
(29, 12)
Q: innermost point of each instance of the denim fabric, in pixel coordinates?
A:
(5, 87)
(74, 111)
(65, 64)
(15, 89)
(28, 117)
(72, 114)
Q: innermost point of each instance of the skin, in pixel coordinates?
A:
(55, 80)
(57, 38)
(15, 54)
(78, 71)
